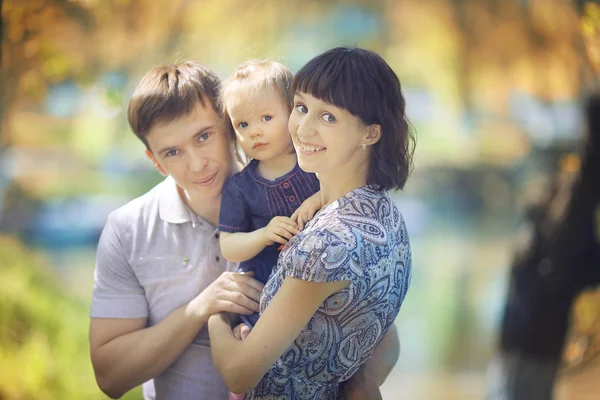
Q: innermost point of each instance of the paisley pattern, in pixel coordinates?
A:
(361, 238)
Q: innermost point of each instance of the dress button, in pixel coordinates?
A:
(286, 185)
(292, 198)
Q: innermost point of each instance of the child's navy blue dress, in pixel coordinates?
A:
(249, 202)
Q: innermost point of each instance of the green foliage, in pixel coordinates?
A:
(43, 333)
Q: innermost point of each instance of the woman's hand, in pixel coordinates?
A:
(241, 331)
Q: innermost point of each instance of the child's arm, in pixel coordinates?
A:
(242, 246)
(307, 209)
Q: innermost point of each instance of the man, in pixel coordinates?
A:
(159, 271)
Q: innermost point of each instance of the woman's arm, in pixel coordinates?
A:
(288, 313)
(242, 246)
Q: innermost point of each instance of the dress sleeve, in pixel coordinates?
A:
(234, 215)
(321, 256)
(117, 291)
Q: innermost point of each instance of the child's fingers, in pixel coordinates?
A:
(288, 221)
(312, 211)
(277, 239)
(294, 216)
(300, 223)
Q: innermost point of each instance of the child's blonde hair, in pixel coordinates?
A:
(254, 76)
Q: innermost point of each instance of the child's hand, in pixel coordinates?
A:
(241, 331)
(280, 230)
(307, 210)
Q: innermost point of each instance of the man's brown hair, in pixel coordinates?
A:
(169, 92)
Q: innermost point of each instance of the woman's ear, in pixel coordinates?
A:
(373, 134)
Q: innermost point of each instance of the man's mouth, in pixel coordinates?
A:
(206, 181)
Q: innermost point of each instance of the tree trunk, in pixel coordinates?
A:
(561, 259)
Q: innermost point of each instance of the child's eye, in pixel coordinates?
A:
(267, 118)
(328, 118)
(242, 124)
(172, 153)
(301, 108)
(204, 137)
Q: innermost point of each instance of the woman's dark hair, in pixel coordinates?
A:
(362, 83)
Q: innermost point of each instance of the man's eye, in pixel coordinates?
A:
(242, 124)
(267, 118)
(171, 153)
(301, 108)
(328, 117)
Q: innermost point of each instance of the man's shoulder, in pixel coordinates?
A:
(141, 208)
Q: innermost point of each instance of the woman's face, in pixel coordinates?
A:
(328, 140)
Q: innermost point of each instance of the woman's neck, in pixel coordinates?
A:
(338, 183)
(278, 166)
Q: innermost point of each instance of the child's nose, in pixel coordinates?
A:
(255, 133)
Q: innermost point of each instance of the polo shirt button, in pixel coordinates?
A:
(216, 235)
(292, 198)
(217, 258)
(286, 185)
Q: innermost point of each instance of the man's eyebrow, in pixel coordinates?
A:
(201, 131)
(166, 150)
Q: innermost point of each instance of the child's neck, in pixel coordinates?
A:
(278, 166)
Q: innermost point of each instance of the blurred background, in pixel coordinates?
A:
(494, 90)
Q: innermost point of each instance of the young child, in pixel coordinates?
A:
(264, 205)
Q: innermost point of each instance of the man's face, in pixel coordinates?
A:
(195, 150)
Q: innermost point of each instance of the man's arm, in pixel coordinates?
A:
(125, 353)
(365, 383)
(384, 357)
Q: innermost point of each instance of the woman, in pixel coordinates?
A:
(339, 284)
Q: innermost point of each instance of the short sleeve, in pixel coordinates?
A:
(117, 291)
(234, 215)
(320, 256)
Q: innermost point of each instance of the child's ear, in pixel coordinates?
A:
(155, 162)
(373, 134)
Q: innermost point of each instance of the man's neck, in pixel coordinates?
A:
(206, 208)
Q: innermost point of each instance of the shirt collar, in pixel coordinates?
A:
(171, 207)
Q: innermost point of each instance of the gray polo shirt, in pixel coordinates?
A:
(154, 256)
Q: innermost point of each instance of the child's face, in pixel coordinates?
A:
(261, 125)
(195, 150)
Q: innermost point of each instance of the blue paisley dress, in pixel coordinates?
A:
(362, 238)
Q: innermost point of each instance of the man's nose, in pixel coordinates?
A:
(197, 161)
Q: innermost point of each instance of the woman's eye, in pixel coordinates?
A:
(328, 117)
(267, 118)
(203, 137)
(301, 108)
(242, 124)
(171, 153)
